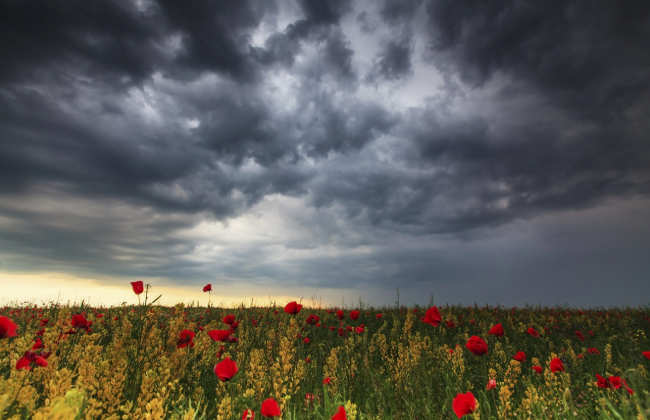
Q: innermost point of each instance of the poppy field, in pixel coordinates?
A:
(146, 361)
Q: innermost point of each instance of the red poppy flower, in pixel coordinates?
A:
(293, 308)
(464, 404)
(44, 322)
(602, 382)
(520, 356)
(219, 335)
(593, 350)
(450, 324)
(22, 363)
(312, 319)
(248, 415)
(270, 408)
(645, 353)
(340, 315)
(185, 339)
(497, 330)
(580, 336)
(226, 369)
(492, 383)
(38, 344)
(26, 360)
(207, 288)
(477, 346)
(378, 316)
(232, 339)
(340, 414)
(327, 381)
(538, 369)
(532, 331)
(29, 358)
(432, 316)
(359, 329)
(354, 315)
(556, 365)
(80, 321)
(629, 390)
(306, 340)
(229, 319)
(7, 328)
(615, 382)
(138, 287)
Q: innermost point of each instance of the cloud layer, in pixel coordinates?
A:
(326, 144)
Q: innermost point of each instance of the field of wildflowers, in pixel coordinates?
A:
(147, 361)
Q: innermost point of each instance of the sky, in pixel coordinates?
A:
(462, 152)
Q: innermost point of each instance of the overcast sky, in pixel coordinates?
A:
(492, 151)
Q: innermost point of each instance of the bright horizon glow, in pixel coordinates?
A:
(46, 287)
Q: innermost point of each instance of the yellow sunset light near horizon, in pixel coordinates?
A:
(45, 287)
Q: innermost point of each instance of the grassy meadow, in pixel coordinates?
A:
(186, 362)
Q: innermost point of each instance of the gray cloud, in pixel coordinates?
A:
(107, 39)
(361, 143)
(395, 60)
(585, 56)
(395, 11)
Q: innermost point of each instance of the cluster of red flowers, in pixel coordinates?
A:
(466, 403)
(613, 382)
(226, 369)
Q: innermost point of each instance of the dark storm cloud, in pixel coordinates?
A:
(319, 18)
(117, 40)
(45, 144)
(395, 61)
(397, 11)
(465, 175)
(591, 58)
(279, 48)
(106, 39)
(325, 13)
(343, 128)
(215, 35)
(125, 125)
(587, 60)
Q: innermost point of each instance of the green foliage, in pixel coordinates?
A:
(397, 368)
